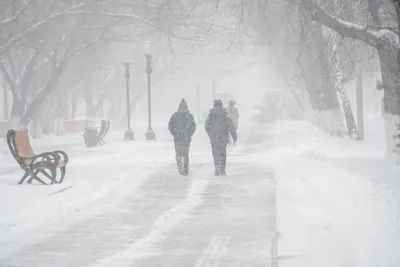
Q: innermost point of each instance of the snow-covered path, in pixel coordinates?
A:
(169, 221)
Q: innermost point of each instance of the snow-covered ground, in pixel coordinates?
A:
(91, 175)
(338, 201)
(333, 202)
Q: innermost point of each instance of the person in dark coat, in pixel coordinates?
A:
(182, 127)
(233, 113)
(218, 127)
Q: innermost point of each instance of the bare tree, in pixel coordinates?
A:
(41, 37)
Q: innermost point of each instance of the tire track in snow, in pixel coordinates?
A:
(162, 226)
(88, 205)
(215, 251)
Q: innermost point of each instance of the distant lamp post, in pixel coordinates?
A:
(129, 136)
(148, 51)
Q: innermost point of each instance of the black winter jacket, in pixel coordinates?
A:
(182, 126)
(218, 126)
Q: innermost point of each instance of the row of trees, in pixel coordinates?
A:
(321, 45)
(55, 51)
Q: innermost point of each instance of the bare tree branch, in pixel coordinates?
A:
(17, 14)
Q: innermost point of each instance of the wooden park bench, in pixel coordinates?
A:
(44, 165)
(94, 137)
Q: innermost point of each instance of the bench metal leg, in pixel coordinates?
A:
(33, 176)
(38, 179)
(63, 171)
(26, 175)
(52, 176)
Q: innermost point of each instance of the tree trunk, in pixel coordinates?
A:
(61, 108)
(344, 99)
(111, 112)
(35, 104)
(319, 80)
(340, 90)
(90, 106)
(324, 101)
(73, 108)
(18, 107)
(36, 127)
(391, 84)
(331, 121)
(348, 113)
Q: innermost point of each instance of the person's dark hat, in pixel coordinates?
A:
(217, 103)
(183, 105)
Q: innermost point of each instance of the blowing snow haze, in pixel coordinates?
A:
(199, 133)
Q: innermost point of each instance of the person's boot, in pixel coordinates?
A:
(222, 172)
(217, 170)
(180, 168)
(186, 171)
(223, 166)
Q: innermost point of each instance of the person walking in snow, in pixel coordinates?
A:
(219, 127)
(182, 127)
(233, 113)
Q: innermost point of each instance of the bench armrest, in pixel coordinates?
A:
(46, 157)
(63, 154)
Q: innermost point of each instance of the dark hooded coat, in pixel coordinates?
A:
(182, 125)
(218, 126)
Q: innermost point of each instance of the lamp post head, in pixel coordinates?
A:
(148, 53)
(148, 48)
(127, 67)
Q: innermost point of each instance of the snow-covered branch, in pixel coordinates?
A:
(372, 36)
(25, 4)
(113, 15)
(242, 68)
(72, 12)
(85, 45)
(21, 35)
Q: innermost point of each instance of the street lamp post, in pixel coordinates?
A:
(147, 47)
(214, 91)
(128, 136)
(198, 103)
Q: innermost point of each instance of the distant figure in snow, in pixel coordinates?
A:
(182, 127)
(218, 127)
(233, 113)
